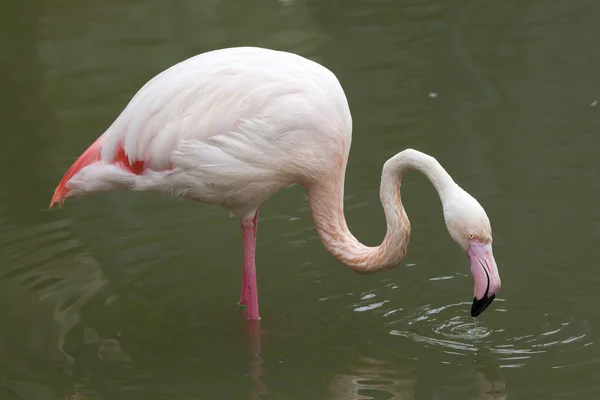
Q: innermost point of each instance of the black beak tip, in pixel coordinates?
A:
(480, 305)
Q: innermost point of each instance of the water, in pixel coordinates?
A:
(133, 296)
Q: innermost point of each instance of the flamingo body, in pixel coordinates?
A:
(234, 126)
(228, 127)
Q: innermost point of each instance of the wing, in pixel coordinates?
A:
(231, 116)
(234, 100)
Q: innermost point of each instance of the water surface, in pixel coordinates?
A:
(133, 296)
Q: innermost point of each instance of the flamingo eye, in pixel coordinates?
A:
(471, 236)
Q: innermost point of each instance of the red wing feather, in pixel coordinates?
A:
(90, 156)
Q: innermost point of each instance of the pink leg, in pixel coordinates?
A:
(243, 292)
(249, 291)
(244, 289)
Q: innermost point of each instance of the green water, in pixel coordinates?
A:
(133, 296)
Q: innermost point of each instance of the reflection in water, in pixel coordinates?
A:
(369, 378)
(47, 274)
(109, 350)
(81, 393)
(256, 369)
(490, 388)
(43, 289)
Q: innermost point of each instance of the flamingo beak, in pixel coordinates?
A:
(485, 274)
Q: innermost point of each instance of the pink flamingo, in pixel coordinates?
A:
(234, 126)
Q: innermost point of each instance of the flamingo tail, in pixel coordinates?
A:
(91, 156)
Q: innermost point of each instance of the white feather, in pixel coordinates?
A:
(233, 125)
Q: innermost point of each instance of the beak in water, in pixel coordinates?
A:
(485, 273)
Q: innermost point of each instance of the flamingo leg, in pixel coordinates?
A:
(243, 291)
(249, 291)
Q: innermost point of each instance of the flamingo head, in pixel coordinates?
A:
(469, 225)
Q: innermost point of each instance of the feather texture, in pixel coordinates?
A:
(228, 127)
(233, 126)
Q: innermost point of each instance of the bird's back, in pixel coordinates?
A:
(223, 127)
(235, 100)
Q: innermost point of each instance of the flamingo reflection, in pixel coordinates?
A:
(369, 375)
(490, 388)
(256, 368)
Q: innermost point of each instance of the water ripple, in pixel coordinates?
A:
(47, 275)
(451, 329)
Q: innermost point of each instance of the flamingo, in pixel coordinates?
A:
(234, 126)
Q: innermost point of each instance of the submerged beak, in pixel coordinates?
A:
(485, 273)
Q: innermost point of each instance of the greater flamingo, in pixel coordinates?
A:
(234, 126)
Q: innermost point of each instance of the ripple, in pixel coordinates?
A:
(451, 329)
(47, 261)
(370, 306)
(47, 275)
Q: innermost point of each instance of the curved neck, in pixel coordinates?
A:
(327, 207)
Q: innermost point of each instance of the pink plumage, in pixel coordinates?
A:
(234, 126)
